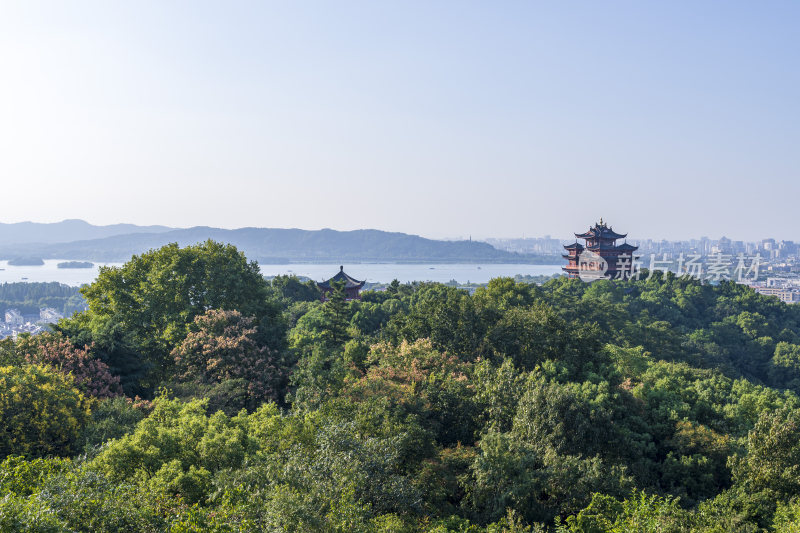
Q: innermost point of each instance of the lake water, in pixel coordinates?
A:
(50, 272)
(386, 272)
(371, 272)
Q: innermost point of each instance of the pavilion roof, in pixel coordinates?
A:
(350, 283)
(610, 247)
(601, 231)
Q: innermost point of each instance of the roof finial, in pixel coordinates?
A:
(341, 268)
(601, 221)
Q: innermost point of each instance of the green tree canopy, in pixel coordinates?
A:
(41, 411)
(222, 346)
(91, 375)
(156, 296)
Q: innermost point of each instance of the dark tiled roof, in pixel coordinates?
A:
(611, 248)
(601, 232)
(574, 246)
(350, 283)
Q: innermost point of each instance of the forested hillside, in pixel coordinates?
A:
(193, 395)
(28, 298)
(277, 245)
(66, 231)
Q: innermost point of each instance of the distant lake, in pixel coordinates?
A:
(371, 272)
(49, 271)
(386, 272)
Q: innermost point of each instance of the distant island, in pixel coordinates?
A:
(75, 264)
(26, 261)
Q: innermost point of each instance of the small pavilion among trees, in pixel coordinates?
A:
(352, 287)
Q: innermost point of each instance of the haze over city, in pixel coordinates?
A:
(450, 119)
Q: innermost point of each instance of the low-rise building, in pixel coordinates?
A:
(14, 317)
(48, 315)
(789, 296)
(784, 283)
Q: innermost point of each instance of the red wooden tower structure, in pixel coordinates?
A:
(600, 257)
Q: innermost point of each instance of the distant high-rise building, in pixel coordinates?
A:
(787, 249)
(723, 246)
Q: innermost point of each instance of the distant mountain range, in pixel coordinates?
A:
(77, 239)
(67, 231)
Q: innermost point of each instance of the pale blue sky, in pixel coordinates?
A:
(668, 119)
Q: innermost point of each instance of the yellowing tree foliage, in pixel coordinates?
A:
(41, 411)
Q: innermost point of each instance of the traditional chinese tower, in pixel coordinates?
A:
(352, 287)
(606, 260)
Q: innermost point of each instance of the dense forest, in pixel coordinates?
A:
(28, 298)
(194, 395)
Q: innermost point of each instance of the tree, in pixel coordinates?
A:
(785, 366)
(419, 381)
(291, 288)
(497, 392)
(529, 336)
(336, 312)
(112, 344)
(175, 450)
(41, 411)
(18, 514)
(695, 467)
(111, 419)
(91, 375)
(639, 512)
(86, 500)
(772, 462)
(446, 316)
(222, 346)
(157, 295)
(510, 473)
(393, 288)
(502, 294)
(566, 418)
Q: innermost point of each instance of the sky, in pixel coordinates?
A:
(444, 119)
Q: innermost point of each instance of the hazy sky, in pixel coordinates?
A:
(669, 119)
